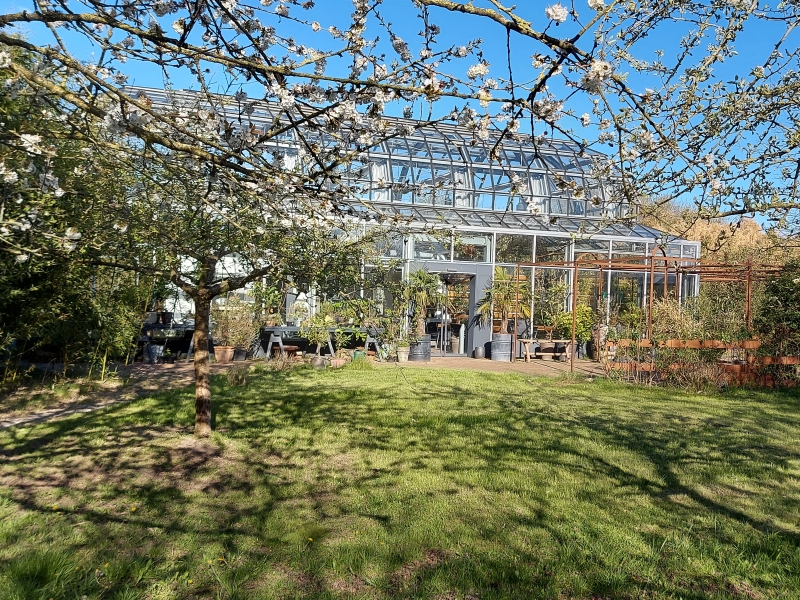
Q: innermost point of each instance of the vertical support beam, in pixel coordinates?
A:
(516, 316)
(747, 315)
(574, 306)
(652, 259)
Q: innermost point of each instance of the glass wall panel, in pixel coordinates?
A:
(597, 248)
(391, 247)
(381, 179)
(559, 206)
(551, 249)
(577, 208)
(502, 202)
(378, 285)
(590, 287)
(418, 148)
(397, 146)
(484, 199)
(513, 248)
(439, 150)
(630, 250)
(627, 293)
(473, 248)
(427, 247)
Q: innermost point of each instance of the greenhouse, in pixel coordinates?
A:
(472, 205)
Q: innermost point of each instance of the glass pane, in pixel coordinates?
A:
(502, 202)
(401, 172)
(439, 150)
(539, 185)
(397, 146)
(597, 247)
(551, 249)
(630, 248)
(483, 199)
(513, 248)
(418, 148)
(473, 248)
(427, 247)
(391, 247)
(577, 207)
(559, 206)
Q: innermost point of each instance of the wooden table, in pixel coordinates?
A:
(527, 343)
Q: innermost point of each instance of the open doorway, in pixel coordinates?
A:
(449, 327)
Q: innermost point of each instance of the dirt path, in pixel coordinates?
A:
(143, 380)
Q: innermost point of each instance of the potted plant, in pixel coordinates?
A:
(235, 327)
(421, 293)
(585, 320)
(315, 330)
(169, 357)
(501, 299)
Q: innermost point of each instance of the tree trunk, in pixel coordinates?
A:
(202, 384)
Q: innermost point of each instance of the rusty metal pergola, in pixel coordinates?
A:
(653, 264)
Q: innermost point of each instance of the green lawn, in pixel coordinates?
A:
(391, 483)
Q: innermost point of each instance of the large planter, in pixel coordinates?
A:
(402, 353)
(318, 362)
(223, 354)
(501, 347)
(420, 351)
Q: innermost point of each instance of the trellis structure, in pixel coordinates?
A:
(707, 271)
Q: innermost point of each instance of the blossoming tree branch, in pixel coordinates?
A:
(663, 90)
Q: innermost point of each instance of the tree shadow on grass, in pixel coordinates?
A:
(273, 493)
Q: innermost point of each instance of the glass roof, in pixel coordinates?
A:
(443, 174)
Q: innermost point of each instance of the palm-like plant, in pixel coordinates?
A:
(422, 292)
(503, 297)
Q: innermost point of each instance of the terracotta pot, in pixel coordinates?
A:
(223, 354)
(337, 363)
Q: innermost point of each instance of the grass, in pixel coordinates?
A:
(389, 483)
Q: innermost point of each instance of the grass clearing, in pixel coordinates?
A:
(390, 483)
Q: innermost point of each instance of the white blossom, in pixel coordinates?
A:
(5, 59)
(282, 10)
(479, 70)
(556, 13)
(21, 258)
(597, 4)
(461, 51)
(586, 119)
(31, 142)
(315, 26)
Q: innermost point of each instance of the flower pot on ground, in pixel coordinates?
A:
(223, 354)
(337, 363)
(234, 324)
(501, 299)
(318, 362)
(402, 353)
(421, 292)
